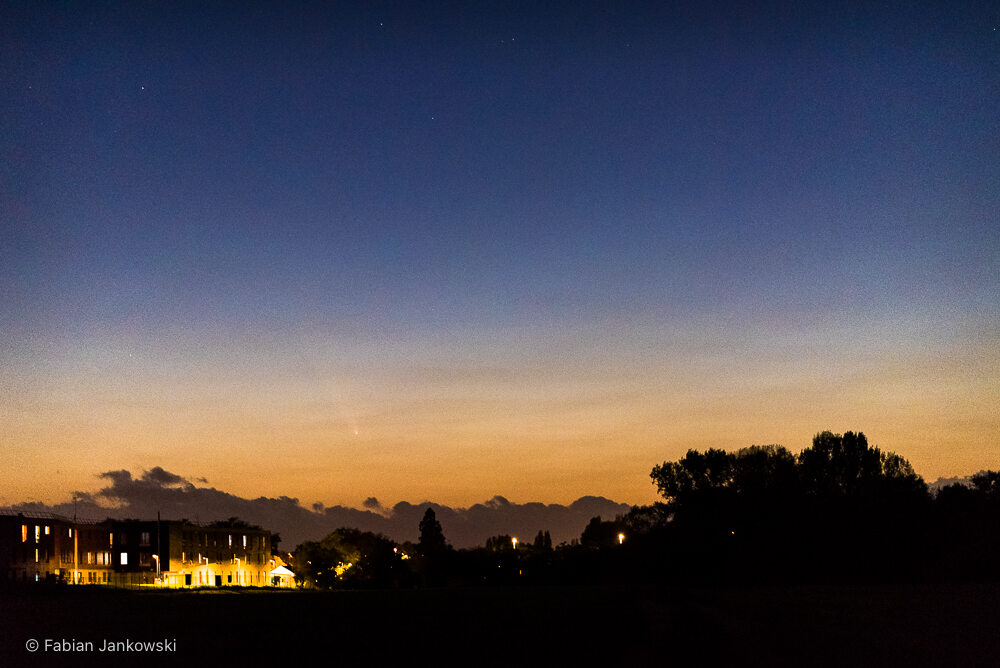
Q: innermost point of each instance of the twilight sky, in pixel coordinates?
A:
(433, 250)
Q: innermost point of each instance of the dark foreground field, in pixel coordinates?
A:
(953, 625)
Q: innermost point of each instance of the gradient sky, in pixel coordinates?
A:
(428, 250)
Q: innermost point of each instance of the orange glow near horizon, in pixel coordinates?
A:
(449, 428)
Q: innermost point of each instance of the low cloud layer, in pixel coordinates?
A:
(176, 497)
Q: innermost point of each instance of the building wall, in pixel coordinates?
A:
(218, 555)
(132, 552)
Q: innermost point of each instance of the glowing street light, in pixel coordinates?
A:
(621, 538)
(513, 542)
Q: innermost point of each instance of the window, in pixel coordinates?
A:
(124, 559)
(144, 539)
(244, 542)
(70, 532)
(46, 531)
(38, 533)
(111, 540)
(24, 533)
(36, 555)
(90, 557)
(230, 540)
(123, 537)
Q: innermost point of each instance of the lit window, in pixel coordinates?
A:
(111, 540)
(90, 557)
(24, 533)
(124, 559)
(38, 533)
(70, 532)
(36, 555)
(230, 540)
(46, 531)
(244, 542)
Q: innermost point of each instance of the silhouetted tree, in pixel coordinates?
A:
(353, 559)
(760, 510)
(966, 517)
(315, 564)
(598, 533)
(987, 482)
(543, 541)
(432, 539)
(847, 466)
(434, 551)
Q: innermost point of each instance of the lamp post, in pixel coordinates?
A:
(157, 557)
(621, 538)
(513, 542)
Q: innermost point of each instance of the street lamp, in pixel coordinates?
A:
(157, 557)
(621, 538)
(513, 542)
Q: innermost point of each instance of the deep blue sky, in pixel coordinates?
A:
(376, 195)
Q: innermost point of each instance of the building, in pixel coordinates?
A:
(37, 547)
(220, 554)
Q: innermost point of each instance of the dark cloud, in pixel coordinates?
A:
(158, 476)
(122, 477)
(172, 496)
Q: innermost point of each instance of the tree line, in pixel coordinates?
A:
(840, 511)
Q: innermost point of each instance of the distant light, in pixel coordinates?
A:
(621, 538)
(513, 541)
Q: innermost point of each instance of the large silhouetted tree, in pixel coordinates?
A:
(432, 539)
(543, 541)
(966, 517)
(847, 466)
(762, 509)
(434, 551)
(598, 533)
(350, 558)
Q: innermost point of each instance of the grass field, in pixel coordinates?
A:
(925, 625)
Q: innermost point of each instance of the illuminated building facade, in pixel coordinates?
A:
(37, 547)
(220, 554)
